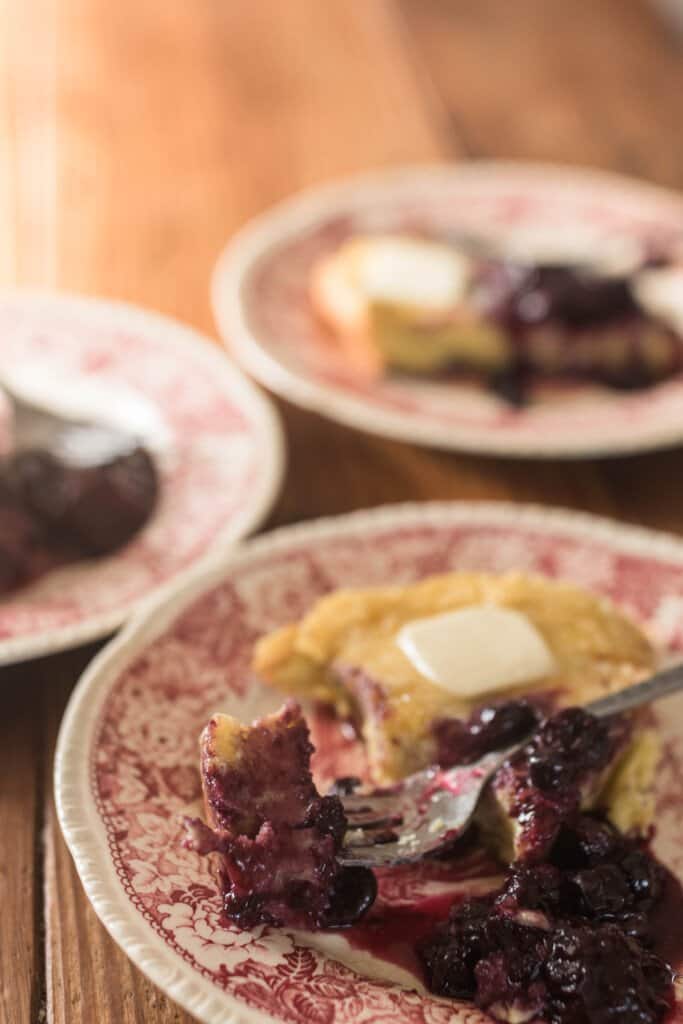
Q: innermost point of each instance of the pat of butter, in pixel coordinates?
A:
(476, 650)
(398, 270)
(412, 272)
(660, 290)
(573, 245)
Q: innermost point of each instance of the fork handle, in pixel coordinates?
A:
(664, 683)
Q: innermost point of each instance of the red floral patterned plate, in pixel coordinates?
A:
(126, 765)
(260, 298)
(216, 439)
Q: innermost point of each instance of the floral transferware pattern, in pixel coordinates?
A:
(127, 758)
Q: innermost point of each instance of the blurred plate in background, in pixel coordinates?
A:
(215, 438)
(260, 298)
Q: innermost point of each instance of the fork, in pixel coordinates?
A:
(403, 823)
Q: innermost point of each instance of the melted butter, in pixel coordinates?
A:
(477, 650)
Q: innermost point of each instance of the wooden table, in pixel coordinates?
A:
(135, 136)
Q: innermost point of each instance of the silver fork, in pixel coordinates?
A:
(401, 824)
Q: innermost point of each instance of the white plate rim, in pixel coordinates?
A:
(294, 214)
(262, 413)
(76, 810)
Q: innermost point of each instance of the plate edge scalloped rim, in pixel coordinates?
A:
(262, 413)
(292, 215)
(83, 832)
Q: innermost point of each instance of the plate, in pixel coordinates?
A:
(211, 431)
(126, 765)
(260, 300)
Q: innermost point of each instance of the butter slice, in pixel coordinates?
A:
(575, 245)
(395, 270)
(410, 272)
(477, 650)
(660, 290)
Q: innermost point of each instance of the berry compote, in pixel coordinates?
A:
(575, 321)
(562, 768)
(490, 728)
(57, 510)
(567, 939)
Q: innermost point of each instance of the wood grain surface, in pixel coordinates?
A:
(135, 136)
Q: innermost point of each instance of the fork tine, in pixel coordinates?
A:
(366, 821)
(375, 856)
(361, 799)
(375, 803)
(429, 809)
